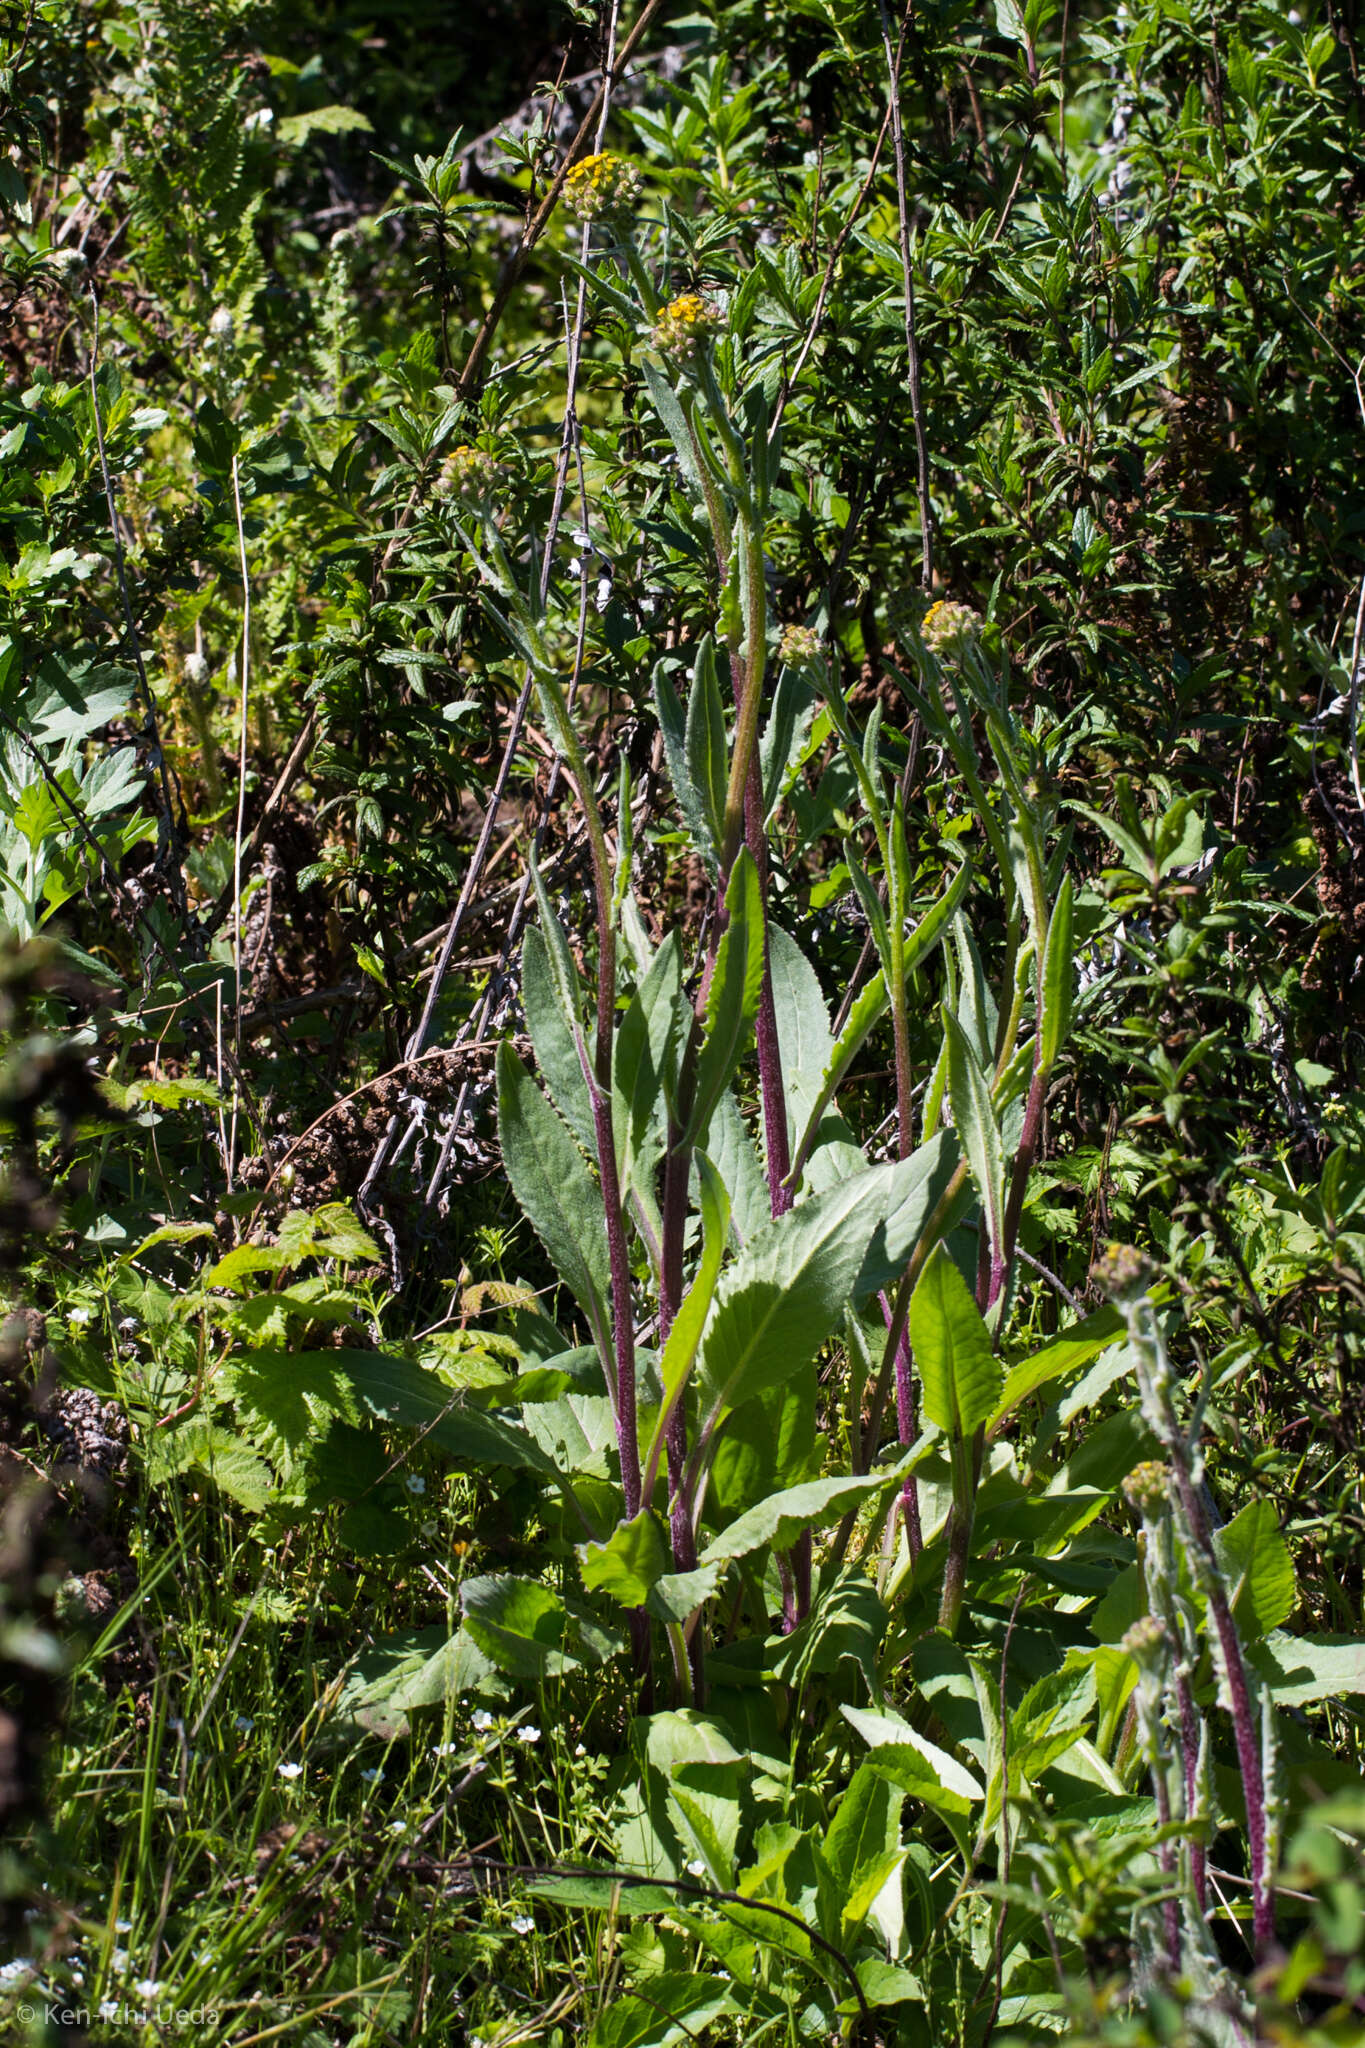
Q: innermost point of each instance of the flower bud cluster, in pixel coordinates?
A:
(684, 327)
(470, 474)
(1123, 1272)
(799, 646)
(950, 628)
(1148, 1488)
(603, 188)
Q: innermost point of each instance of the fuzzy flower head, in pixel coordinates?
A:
(469, 474)
(684, 327)
(1146, 1642)
(1123, 1273)
(799, 647)
(222, 326)
(603, 187)
(950, 628)
(1148, 1488)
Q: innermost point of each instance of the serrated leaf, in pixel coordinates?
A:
(630, 1562)
(1257, 1569)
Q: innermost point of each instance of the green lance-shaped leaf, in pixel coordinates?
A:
(551, 1181)
(969, 1093)
(960, 1375)
(732, 1000)
(644, 1064)
(784, 1516)
(787, 1291)
(552, 1036)
(673, 727)
(1059, 980)
(872, 1004)
(680, 1351)
(673, 419)
(1059, 1357)
(707, 742)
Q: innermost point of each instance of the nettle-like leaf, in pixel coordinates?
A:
(959, 1373)
(1258, 1568)
(552, 1037)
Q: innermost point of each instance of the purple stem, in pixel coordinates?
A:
(1189, 1746)
(1243, 1720)
(905, 1420)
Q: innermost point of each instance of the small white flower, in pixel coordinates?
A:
(445, 1749)
(1295, 18)
(79, 1316)
(123, 1927)
(109, 2009)
(118, 1959)
(483, 1720)
(195, 668)
(522, 1923)
(529, 1734)
(128, 1326)
(415, 1483)
(148, 1988)
(696, 1868)
(428, 1529)
(221, 323)
(244, 1724)
(398, 1827)
(13, 1973)
(579, 1750)
(290, 1771)
(371, 1777)
(264, 117)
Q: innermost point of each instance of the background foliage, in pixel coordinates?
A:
(403, 1056)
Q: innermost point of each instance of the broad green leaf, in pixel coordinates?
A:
(766, 1444)
(670, 2008)
(551, 1181)
(707, 1796)
(784, 1516)
(959, 1373)
(974, 1117)
(1257, 1568)
(787, 1291)
(628, 1564)
(520, 1626)
(732, 1000)
(918, 1765)
(1301, 1670)
(676, 1595)
(864, 1827)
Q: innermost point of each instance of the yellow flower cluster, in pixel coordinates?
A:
(603, 187)
(470, 474)
(799, 646)
(1147, 1487)
(948, 628)
(684, 327)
